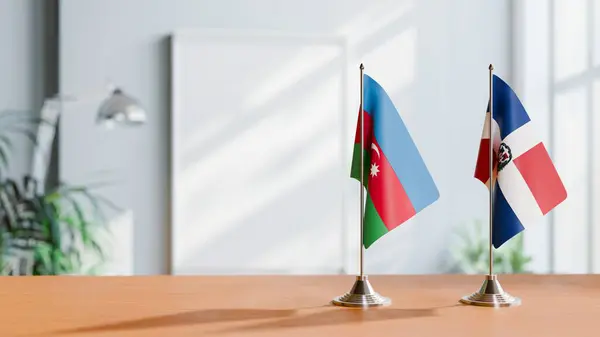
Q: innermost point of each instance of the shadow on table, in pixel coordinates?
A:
(276, 319)
(208, 316)
(337, 316)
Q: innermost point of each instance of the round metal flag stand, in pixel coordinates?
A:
(491, 294)
(361, 295)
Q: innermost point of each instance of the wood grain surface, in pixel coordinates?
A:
(553, 305)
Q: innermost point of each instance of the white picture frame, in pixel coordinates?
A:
(300, 247)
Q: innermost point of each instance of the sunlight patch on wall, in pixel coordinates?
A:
(393, 63)
(308, 63)
(374, 18)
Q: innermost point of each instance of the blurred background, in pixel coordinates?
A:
(226, 148)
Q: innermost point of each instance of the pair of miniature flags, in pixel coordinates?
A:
(399, 185)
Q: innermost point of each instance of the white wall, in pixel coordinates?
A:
(22, 62)
(431, 56)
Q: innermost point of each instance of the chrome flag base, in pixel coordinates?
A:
(491, 294)
(361, 295)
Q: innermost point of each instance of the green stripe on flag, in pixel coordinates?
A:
(374, 228)
(355, 169)
(373, 225)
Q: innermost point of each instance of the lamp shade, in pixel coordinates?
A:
(120, 108)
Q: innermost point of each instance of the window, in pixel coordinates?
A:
(557, 74)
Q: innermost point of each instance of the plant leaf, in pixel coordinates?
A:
(42, 255)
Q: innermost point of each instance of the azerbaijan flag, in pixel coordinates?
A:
(397, 181)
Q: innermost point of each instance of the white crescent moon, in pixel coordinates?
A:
(374, 147)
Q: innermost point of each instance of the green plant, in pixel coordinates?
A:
(46, 233)
(54, 226)
(471, 255)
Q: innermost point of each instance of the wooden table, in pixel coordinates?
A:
(565, 306)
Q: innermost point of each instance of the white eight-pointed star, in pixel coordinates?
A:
(374, 170)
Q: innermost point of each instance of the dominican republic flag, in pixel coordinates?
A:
(397, 181)
(526, 184)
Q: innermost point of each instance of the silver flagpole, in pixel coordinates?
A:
(492, 185)
(362, 293)
(491, 293)
(362, 172)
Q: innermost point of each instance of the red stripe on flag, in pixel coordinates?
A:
(482, 168)
(541, 177)
(386, 191)
(368, 130)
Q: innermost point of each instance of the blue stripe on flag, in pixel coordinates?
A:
(509, 113)
(397, 145)
(505, 224)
